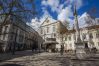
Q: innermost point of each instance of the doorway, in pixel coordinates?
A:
(86, 45)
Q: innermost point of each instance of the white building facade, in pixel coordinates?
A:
(49, 29)
(88, 34)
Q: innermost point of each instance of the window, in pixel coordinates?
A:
(70, 45)
(54, 35)
(90, 35)
(41, 31)
(4, 36)
(97, 35)
(20, 38)
(84, 36)
(53, 28)
(65, 38)
(69, 38)
(5, 29)
(47, 29)
(74, 37)
(98, 43)
(11, 37)
(47, 21)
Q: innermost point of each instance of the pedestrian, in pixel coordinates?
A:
(62, 50)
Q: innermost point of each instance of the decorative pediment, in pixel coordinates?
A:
(46, 22)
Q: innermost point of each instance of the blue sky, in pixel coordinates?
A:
(63, 9)
(82, 6)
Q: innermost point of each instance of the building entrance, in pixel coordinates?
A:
(86, 45)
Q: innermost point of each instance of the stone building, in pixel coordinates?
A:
(90, 35)
(18, 35)
(49, 31)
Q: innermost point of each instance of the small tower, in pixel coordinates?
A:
(76, 25)
(80, 52)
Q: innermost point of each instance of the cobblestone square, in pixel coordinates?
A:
(27, 58)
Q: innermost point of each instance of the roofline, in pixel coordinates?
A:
(89, 28)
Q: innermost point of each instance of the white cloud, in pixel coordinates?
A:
(35, 23)
(45, 15)
(69, 1)
(65, 14)
(54, 4)
(44, 3)
(79, 3)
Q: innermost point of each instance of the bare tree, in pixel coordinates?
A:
(19, 9)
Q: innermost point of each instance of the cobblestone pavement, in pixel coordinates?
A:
(40, 59)
(47, 59)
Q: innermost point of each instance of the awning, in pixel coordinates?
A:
(50, 42)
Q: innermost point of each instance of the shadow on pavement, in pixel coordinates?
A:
(64, 61)
(11, 65)
(8, 56)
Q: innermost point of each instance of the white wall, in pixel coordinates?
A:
(84, 31)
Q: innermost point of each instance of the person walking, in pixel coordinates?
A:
(62, 50)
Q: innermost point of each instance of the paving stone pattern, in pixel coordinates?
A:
(47, 59)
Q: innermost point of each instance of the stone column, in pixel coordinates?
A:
(80, 52)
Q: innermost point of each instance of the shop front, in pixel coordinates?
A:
(50, 45)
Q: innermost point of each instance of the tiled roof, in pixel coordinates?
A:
(89, 28)
(93, 27)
